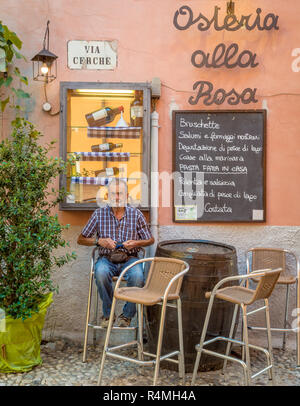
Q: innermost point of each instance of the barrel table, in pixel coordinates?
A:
(209, 263)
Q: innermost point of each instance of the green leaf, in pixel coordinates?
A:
(8, 81)
(12, 36)
(19, 56)
(9, 53)
(24, 80)
(18, 73)
(20, 93)
(4, 103)
(2, 60)
(15, 40)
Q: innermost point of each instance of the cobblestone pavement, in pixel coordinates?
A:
(63, 366)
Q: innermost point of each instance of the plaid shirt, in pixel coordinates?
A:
(132, 226)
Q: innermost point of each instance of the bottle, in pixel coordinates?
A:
(102, 116)
(108, 146)
(136, 110)
(74, 164)
(109, 171)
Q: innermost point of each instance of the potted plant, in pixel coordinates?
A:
(30, 234)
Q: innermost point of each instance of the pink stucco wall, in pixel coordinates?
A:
(150, 46)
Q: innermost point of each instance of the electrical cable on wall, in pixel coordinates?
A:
(47, 106)
(271, 95)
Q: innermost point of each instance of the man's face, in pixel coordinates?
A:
(117, 195)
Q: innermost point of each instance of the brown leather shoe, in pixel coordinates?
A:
(123, 321)
(105, 320)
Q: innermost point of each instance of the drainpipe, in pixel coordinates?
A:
(154, 180)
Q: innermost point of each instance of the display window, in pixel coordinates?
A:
(104, 134)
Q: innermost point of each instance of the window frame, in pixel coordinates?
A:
(146, 88)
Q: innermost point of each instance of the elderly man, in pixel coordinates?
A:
(114, 225)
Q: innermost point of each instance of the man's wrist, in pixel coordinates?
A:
(96, 242)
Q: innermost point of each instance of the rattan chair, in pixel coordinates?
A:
(93, 324)
(243, 297)
(162, 285)
(258, 258)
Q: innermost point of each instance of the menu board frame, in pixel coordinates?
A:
(261, 112)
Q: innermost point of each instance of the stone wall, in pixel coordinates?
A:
(66, 316)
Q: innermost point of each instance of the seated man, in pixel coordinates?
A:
(114, 224)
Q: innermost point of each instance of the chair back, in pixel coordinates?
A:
(268, 258)
(161, 271)
(266, 285)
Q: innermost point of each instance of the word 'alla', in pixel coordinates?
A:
(222, 56)
(230, 22)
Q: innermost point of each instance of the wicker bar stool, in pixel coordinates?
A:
(243, 297)
(259, 258)
(93, 324)
(163, 284)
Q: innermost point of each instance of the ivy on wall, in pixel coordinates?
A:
(10, 75)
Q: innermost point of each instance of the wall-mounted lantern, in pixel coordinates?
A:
(44, 64)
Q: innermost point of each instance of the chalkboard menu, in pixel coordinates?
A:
(219, 166)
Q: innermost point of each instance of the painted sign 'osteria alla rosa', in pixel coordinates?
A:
(223, 56)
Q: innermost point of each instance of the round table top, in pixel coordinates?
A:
(196, 246)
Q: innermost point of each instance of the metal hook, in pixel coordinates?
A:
(46, 35)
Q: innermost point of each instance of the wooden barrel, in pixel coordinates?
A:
(209, 263)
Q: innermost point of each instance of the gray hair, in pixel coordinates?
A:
(117, 182)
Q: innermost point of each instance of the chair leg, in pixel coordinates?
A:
(229, 344)
(298, 322)
(181, 366)
(140, 333)
(285, 316)
(109, 328)
(203, 335)
(159, 342)
(96, 317)
(88, 313)
(246, 341)
(268, 325)
(242, 339)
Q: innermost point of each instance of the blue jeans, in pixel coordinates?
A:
(105, 270)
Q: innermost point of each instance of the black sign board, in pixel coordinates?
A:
(219, 166)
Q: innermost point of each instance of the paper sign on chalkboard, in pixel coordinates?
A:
(219, 166)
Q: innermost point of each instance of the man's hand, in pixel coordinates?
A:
(130, 244)
(107, 243)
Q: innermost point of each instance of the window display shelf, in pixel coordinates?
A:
(84, 127)
(102, 156)
(97, 180)
(93, 180)
(114, 132)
